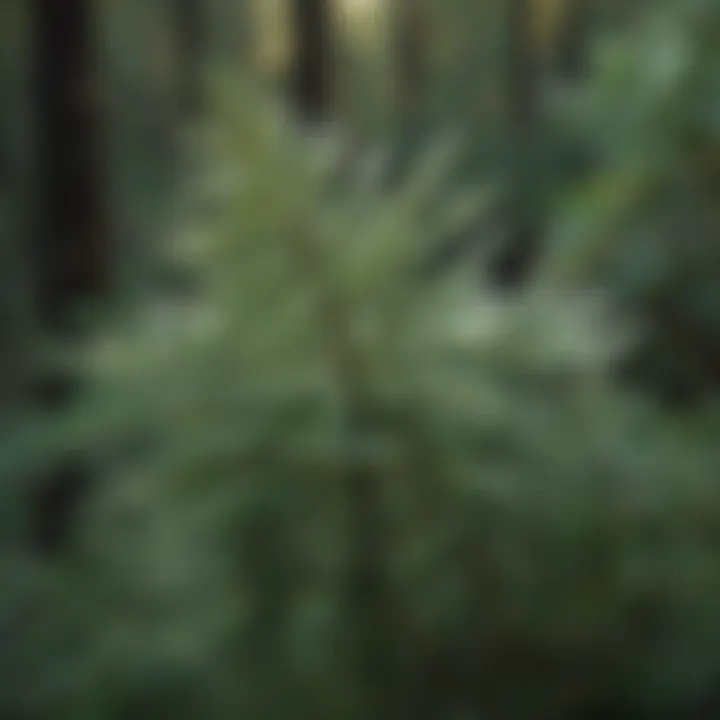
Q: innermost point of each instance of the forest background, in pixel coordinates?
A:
(359, 359)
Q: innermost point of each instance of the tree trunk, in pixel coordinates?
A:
(311, 83)
(233, 31)
(409, 49)
(73, 254)
(523, 119)
(571, 56)
(73, 258)
(189, 20)
(409, 53)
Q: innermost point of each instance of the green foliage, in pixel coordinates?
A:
(333, 491)
(327, 488)
(644, 223)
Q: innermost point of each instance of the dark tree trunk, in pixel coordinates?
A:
(311, 82)
(189, 20)
(523, 119)
(573, 40)
(73, 253)
(73, 257)
(409, 52)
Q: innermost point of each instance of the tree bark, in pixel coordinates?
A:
(73, 253)
(311, 82)
(233, 31)
(409, 52)
(523, 119)
(573, 39)
(189, 21)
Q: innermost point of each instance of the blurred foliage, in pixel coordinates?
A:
(531, 538)
(328, 487)
(643, 221)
